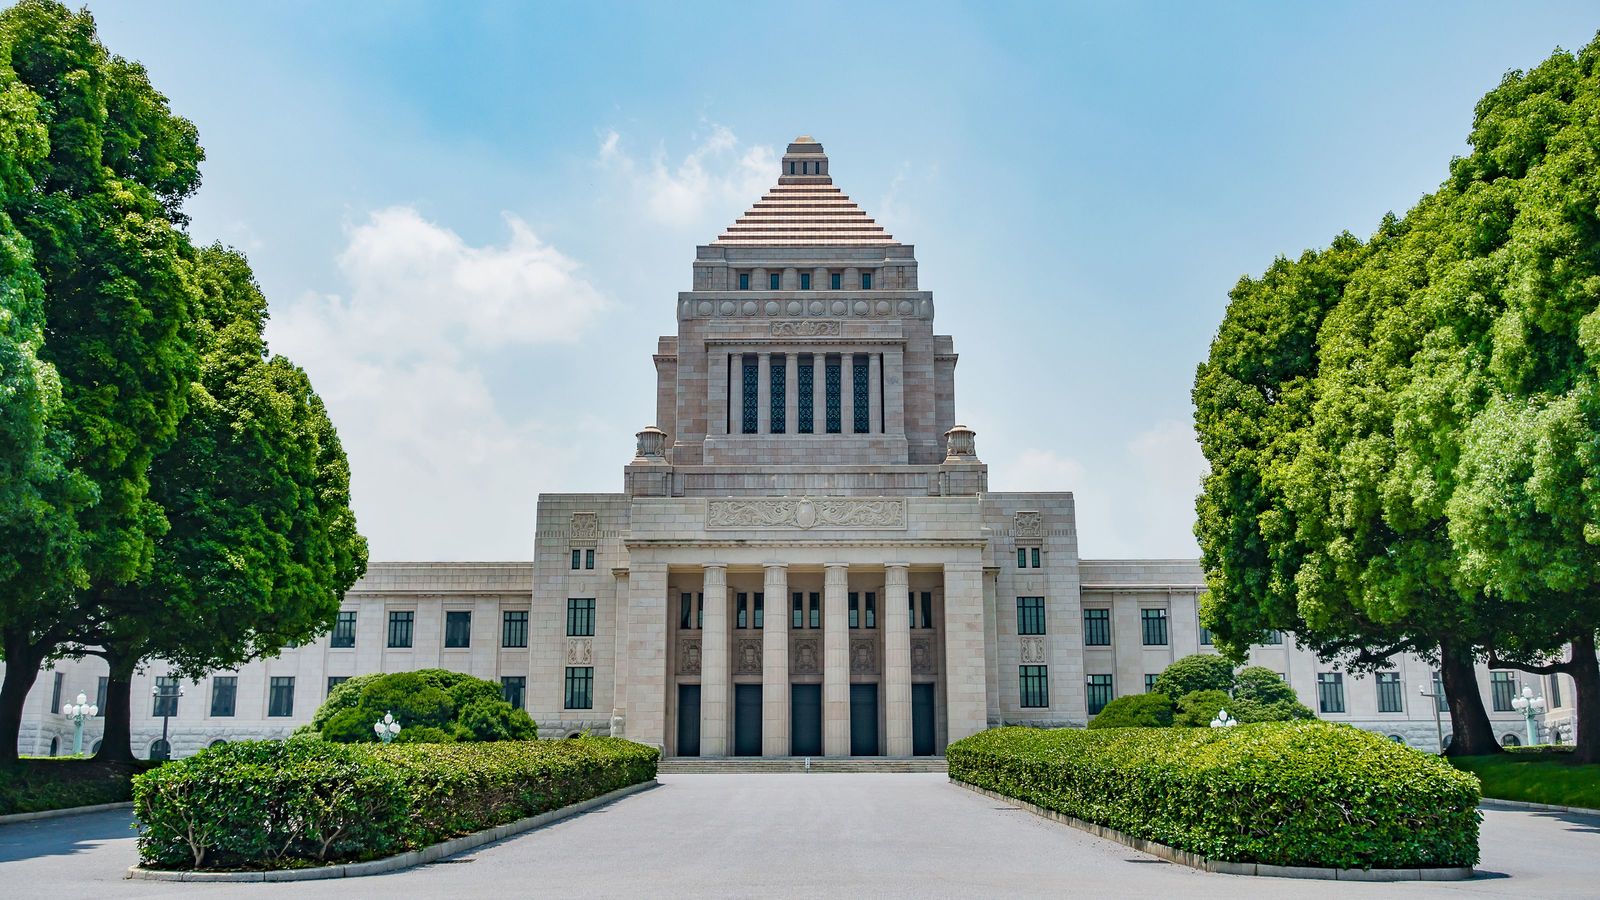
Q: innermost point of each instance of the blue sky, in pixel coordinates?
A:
(472, 219)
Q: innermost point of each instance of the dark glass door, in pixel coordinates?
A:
(863, 720)
(922, 719)
(805, 719)
(747, 720)
(688, 720)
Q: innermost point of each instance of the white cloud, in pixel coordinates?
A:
(438, 471)
(720, 173)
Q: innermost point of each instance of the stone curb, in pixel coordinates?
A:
(68, 811)
(1496, 803)
(428, 854)
(1223, 867)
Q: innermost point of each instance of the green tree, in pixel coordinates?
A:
(1196, 672)
(1262, 685)
(1196, 709)
(432, 705)
(98, 218)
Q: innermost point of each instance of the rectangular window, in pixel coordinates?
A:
(514, 690)
(870, 600)
(580, 617)
(1502, 689)
(859, 397)
(166, 698)
(778, 378)
(1097, 690)
(1150, 682)
(336, 680)
(685, 612)
(758, 614)
(855, 610)
(224, 694)
(1033, 552)
(1205, 636)
(832, 385)
(280, 696)
(833, 280)
(806, 387)
(1030, 615)
(101, 684)
(1555, 691)
(1097, 628)
(514, 628)
(816, 610)
(1330, 692)
(798, 611)
(1438, 693)
(457, 629)
(774, 280)
(1389, 699)
(1035, 687)
(1154, 622)
(749, 380)
(1022, 557)
(911, 607)
(580, 687)
(55, 692)
(927, 609)
(400, 628)
(744, 281)
(344, 629)
(791, 167)
(1273, 638)
(805, 281)
(742, 617)
(866, 281)
(588, 559)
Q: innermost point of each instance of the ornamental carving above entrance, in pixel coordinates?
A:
(805, 512)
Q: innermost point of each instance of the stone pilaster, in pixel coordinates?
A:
(647, 654)
(835, 661)
(775, 663)
(897, 659)
(966, 668)
(714, 664)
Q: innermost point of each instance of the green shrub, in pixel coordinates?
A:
(1197, 708)
(1135, 711)
(1246, 711)
(35, 785)
(433, 706)
(272, 804)
(1200, 672)
(1262, 685)
(1284, 793)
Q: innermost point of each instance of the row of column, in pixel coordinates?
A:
(876, 413)
(775, 716)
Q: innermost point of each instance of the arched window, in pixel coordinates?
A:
(1510, 740)
(55, 746)
(160, 749)
(217, 743)
(1397, 739)
(95, 749)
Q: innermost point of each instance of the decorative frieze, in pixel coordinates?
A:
(580, 651)
(585, 529)
(1033, 652)
(807, 657)
(747, 657)
(861, 307)
(1028, 525)
(689, 656)
(923, 660)
(808, 328)
(863, 656)
(804, 513)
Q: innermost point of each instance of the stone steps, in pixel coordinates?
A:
(689, 765)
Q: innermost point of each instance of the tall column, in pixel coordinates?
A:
(894, 404)
(764, 393)
(775, 663)
(714, 663)
(847, 393)
(897, 659)
(966, 691)
(647, 654)
(835, 661)
(791, 392)
(819, 392)
(874, 394)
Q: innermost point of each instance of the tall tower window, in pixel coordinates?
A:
(779, 379)
(791, 167)
(859, 397)
(834, 280)
(751, 379)
(744, 281)
(774, 279)
(805, 382)
(805, 281)
(866, 281)
(831, 387)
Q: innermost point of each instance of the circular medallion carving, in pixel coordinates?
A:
(805, 515)
(727, 307)
(906, 307)
(838, 307)
(705, 307)
(772, 307)
(883, 307)
(816, 307)
(749, 307)
(795, 307)
(861, 307)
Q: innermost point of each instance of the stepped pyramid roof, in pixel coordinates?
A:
(804, 209)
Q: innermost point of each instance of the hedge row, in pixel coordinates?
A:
(1284, 793)
(285, 804)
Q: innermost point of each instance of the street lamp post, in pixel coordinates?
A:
(386, 727)
(1530, 707)
(170, 693)
(1223, 720)
(1438, 724)
(77, 712)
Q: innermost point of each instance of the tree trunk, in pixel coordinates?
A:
(116, 744)
(22, 670)
(1586, 675)
(1470, 732)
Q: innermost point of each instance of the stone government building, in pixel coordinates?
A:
(805, 558)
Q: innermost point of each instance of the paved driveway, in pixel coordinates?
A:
(802, 836)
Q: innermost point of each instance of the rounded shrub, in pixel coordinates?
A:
(1262, 685)
(1196, 709)
(1199, 672)
(433, 706)
(1135, 711)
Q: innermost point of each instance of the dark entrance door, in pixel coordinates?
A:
(747, 720)
(688, 720)
(805, 719)
(863, 720)
(922, 719)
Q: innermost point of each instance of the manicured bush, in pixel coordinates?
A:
(1262, 685)
(1135, 711)
(1199, 672)
(35, 785)
(1197, 708)
(283, 804)
(1284, 793)
(433, 706)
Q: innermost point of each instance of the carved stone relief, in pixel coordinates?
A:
(863, 657)
(807, 328)
(1028, 524)
(688, 656)
(580, 651)
(749, 658)
(805, 513)
(1033, 651)
(585, 529)
(923, 660)
(807, 657)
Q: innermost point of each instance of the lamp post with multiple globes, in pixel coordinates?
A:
(77, 712)
(1530, 707)
(168, 695)
(386, 727)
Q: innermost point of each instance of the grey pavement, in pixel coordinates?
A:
(856, 835)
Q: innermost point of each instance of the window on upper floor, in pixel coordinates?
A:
(1033, 687)
(344, 629)
(1097, 690)
(791, 167)
(457, 629)
(336, 680)
(805, 281)
(580, 617)
(280, 696)
(866, 281)
(224, 694)
(742, 615)
(588, 559)
(1273, 638)
(514, 689)
(1028, 557)
(1390, 696)
(1330, 692)
(805, 384)
(1555, 691)
(1154, 622)
(1150, 682)
(1097, 627)
(690, 611)
(758, 615)
(166, 697)
(577, 559)
(1030, 615)
(774, 280)
(1205, 636)
(860, 394)
(834, 280)
(854, 602)
(514, 628)
(400, 623)
(1503, 689)
(744, 281)
(777, 393)
(580, 687)
(832, 389)
(750, 388)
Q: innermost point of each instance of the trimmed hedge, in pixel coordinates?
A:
(302, 802)
(36, 785)
(1283, 793)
